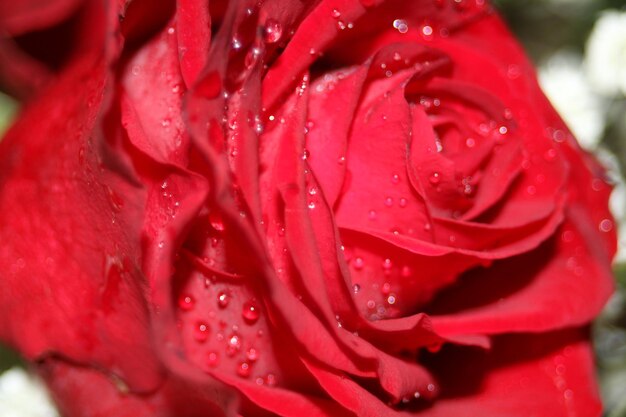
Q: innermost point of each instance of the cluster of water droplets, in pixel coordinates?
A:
(229, 346)
(379, 298)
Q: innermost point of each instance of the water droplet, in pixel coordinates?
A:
(434, 178)
(386, 288)
(550, 154)
(270, 380)
(336, 13)
(430, 387)
(371, 215)
(135, 70)
(235, 43)
(356, 288)
(427, 30)
(567, 236)
(513, 71)
(341, 24)
(371, 304)
(186, 302)
(250, 312)
(606, 225)
(358, 263)
(402, 203)
(387, 264)
(233, 345)
(166, 122)
(311, 205)
(531, 190)
(503, 130)
(391, 299)
(389, 201)
(244, 369)
(273, 31)
(312, 190)
(170, 30)
(252, 354)
(223, 298)
(401, 25)
(216, 222)
(213, 359)
(201, 332)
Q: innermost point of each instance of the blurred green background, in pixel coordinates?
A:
(550, 30)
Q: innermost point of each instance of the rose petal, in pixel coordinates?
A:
(74, 253)
(551, 376)
(102, 396)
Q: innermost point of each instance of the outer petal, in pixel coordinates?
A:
(546, 375)
(73, 255)
(92, 394)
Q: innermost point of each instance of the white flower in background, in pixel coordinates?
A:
(22, 395)
(605, 57)
(563, 81)
(617, 203)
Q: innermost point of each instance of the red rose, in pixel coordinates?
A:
(293, 208)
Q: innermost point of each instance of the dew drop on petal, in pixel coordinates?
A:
(270, 380)
(201, 332)
(216, 222)
(387, 264)
(252, 354)
(223, 298)
(388, 201)
(434, 178)
(213, 359)
(606, 225)
(400, 25)
(250, 312)
(244, 369)
(186, 302)
(358, 263)
(233, 345)
(273, 31)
